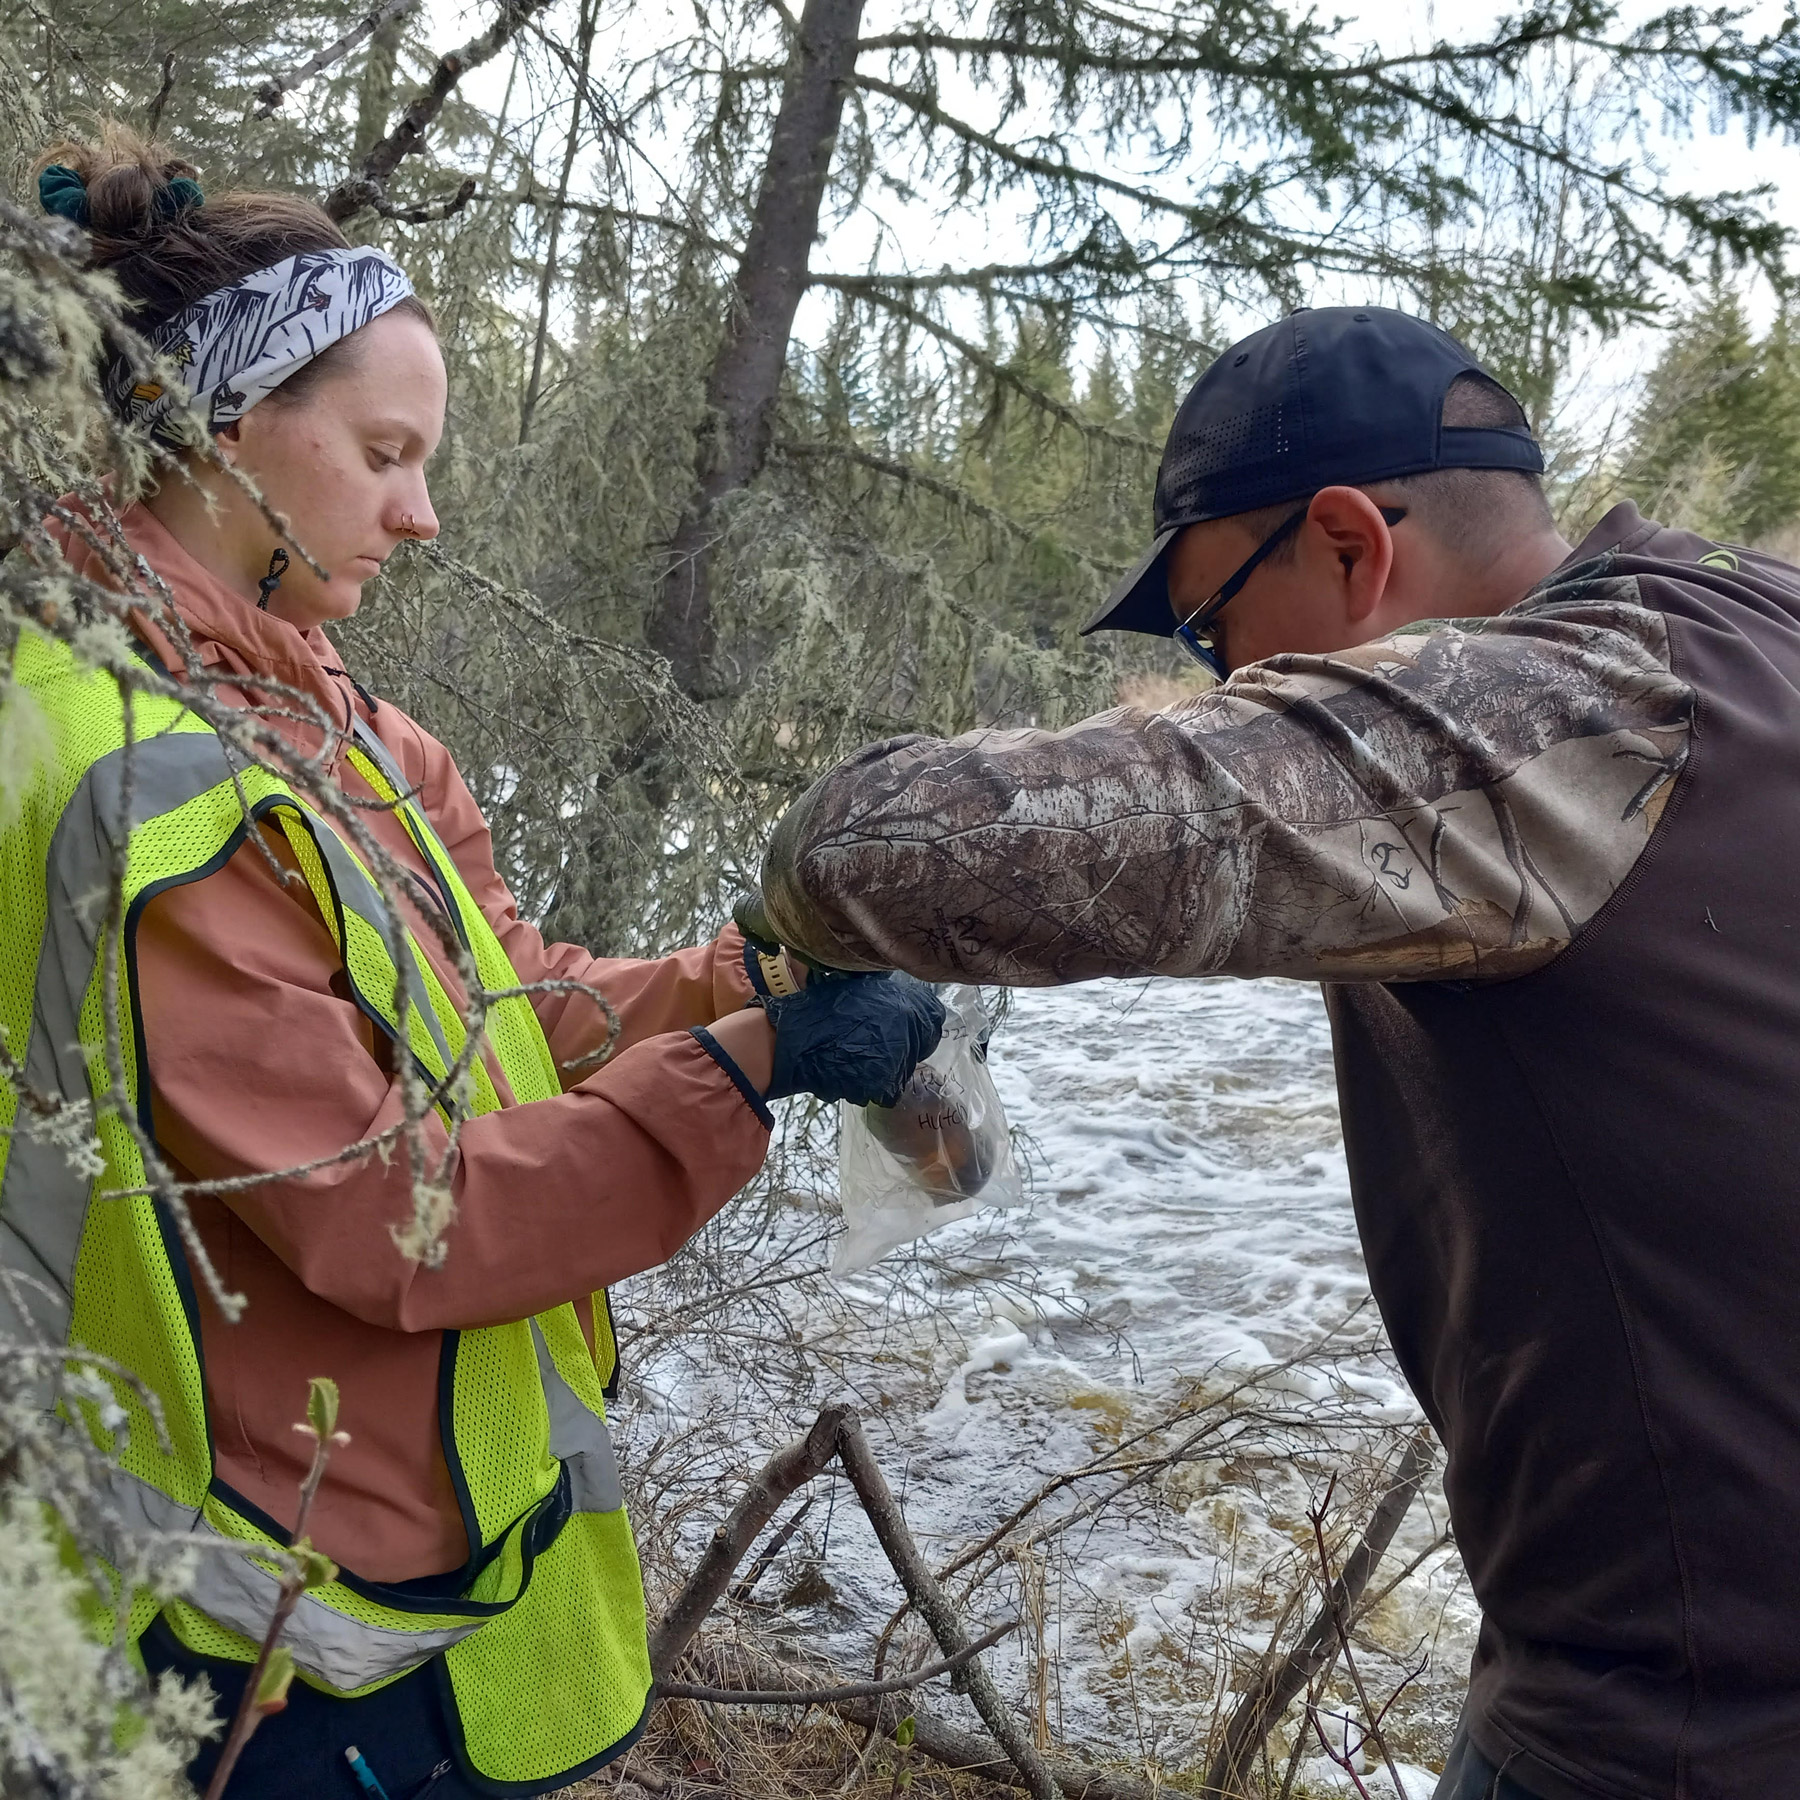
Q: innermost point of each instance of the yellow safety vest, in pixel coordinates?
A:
(543, 1654)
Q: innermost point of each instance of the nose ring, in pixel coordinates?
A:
(407, 527)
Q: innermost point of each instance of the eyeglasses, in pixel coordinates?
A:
(1195, 633)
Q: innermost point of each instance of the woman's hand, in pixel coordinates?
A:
(852, 1037)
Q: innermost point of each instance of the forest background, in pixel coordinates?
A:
(809, 372)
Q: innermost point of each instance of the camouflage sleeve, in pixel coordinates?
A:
(1452, 802)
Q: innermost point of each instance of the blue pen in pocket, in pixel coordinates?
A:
(365, 1776)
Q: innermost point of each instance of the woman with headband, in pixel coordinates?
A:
(485, 1631)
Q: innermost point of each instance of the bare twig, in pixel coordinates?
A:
(771, 1550)
(1340, 1619)
(1275, 1689)
(368, 187)
(547, 275)
(262, 1695)
(273, 91)
(1342, 1758)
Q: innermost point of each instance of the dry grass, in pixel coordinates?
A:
(693, 1752)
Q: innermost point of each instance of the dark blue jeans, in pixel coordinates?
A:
(1468, 1775)
(298, 1754)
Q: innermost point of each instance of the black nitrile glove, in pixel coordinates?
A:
(853, 1037)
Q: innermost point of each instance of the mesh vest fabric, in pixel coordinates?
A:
(543, 1655)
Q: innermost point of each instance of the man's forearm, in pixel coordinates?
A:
(1453, 802)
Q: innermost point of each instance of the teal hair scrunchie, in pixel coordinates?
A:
(62, 192)
(181, 195)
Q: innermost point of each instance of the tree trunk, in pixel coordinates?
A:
(745, 381)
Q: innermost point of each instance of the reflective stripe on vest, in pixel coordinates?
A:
(240, 1593)
(545, 1647)
(43, 1198)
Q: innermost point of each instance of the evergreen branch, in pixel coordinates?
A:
(1739, 231)
(623, 215)
(1003, 375)
(1202, 221)
(432, 212)
(951, 492)
(369, 186)
(1078, 54)
(1735, 65)
(277, 88)
(54, 34)
(1115, 276)
(981, 279)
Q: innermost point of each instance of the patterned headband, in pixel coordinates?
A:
(236, 346)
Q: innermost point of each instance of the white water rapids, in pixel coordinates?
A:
(1189, 1226)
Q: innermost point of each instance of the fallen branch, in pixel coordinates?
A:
(277, 88)
(932, 1606)
(850, 1690)
(964, 1751)
(1260, 1710)
(838, 1431)
(789, 1468)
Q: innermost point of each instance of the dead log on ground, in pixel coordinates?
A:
(837, 1431)
(967, 1752)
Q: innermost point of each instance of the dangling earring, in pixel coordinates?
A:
(270, 582)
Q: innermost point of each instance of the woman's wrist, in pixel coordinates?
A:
(748, 1039)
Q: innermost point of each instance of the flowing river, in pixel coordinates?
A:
(1188, 1229)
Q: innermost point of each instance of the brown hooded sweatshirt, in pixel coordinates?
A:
(258, 1060)
(1548, 866)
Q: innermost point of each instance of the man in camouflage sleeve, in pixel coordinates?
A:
(1533, 817)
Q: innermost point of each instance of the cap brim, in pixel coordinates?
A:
(1140, 601)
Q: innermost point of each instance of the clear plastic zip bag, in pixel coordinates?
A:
(942, 1151)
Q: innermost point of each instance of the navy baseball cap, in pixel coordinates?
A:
(1333, 396)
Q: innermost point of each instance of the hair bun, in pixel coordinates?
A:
(122, 187)
(165, 242)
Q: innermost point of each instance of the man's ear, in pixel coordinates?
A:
(1355, 537)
